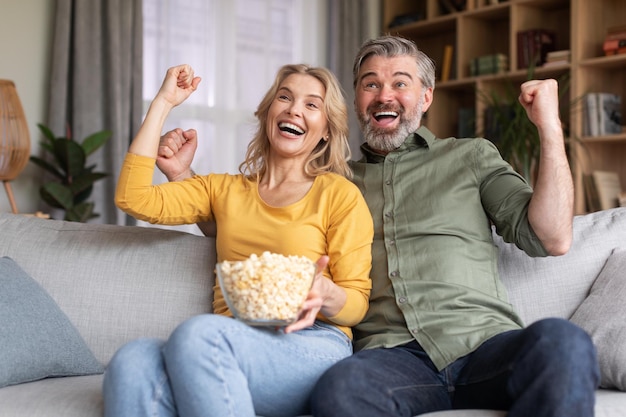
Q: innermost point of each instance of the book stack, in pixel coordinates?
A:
(489, 64)
(602, 114)
(615, 41)
(533, 46)
(556, 58)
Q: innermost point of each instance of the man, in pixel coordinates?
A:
(440, 333)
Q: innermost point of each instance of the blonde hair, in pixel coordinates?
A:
(331, 155)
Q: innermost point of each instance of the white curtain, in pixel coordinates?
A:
(236, 46)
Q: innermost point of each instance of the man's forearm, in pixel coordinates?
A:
(551, 208)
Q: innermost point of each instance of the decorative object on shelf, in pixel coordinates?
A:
(73, 180)
(533, 46)
(615, 41)
(14, 138)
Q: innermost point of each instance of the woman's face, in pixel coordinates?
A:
(296, 118)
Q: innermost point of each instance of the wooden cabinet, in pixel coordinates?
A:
(488, 27)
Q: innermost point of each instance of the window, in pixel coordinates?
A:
(236, 46)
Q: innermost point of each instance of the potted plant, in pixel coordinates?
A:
(72, 180)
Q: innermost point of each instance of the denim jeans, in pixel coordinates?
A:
(213, 365)
(548, 369)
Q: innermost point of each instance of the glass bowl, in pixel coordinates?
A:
(266, 290)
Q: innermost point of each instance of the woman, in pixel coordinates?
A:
(292, 198)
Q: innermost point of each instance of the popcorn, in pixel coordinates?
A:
(267, 287)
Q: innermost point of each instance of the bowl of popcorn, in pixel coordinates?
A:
(266, 289)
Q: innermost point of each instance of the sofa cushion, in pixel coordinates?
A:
(114, 283)
(77, 396)
(603, 315)
(555, 286)
(37, 338)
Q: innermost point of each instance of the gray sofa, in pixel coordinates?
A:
(118, 283)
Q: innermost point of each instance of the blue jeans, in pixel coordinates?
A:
(549, 369)
(213, 365)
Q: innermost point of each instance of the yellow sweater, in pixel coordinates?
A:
(332, 219)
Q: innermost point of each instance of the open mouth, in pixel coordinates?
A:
(385, 115)
(290, 128)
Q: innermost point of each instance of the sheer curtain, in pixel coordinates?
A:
(236, 47)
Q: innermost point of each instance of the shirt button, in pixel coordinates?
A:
(394, 273)
(402, 300)
(388, 215)
(414, 331)
(388, 182)
(392, 242)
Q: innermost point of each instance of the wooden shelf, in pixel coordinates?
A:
(485, 29)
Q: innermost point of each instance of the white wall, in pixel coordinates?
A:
(26, 29)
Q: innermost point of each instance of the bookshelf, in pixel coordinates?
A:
(489, 27)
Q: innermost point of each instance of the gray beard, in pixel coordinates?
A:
(386, 140)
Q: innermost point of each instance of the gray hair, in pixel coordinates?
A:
(392, 46)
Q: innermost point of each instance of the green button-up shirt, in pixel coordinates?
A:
(434, 273)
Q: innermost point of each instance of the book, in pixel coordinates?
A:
(591, 119)
(555, 58)
(489, 64)
(563, 54)
(609, 188)
(602, 114)
(447, 63)
(533, 46)
(592, 200)
(616, 32)
(609, 113)
(467, 122)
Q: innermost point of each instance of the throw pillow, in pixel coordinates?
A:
(37, 340)
(602, 314)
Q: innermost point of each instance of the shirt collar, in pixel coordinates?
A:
(422, 138)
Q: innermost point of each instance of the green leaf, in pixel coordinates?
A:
(47, 166)
(57, 195)
(70, 156)
(83, 182)
(82, 196)
(47, 133)
(80, 213)
(95, 141)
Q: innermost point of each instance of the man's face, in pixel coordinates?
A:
(390, 101)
